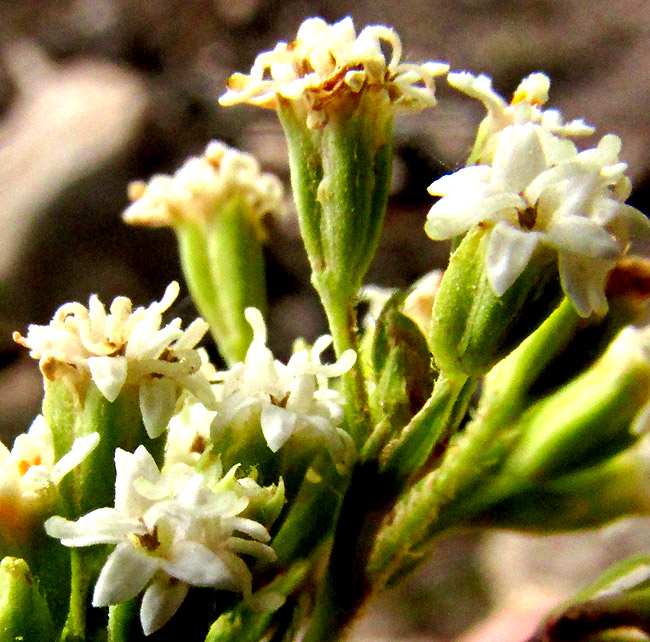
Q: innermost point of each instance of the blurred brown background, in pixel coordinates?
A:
(95, 93)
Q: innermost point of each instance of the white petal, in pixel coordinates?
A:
(109, 374)
(81, 448)
(460, 179)
(583, 281)
(124, 575)
(277, 426)
(161, 600)
(101, 526)
(518, 159)
(508, 253)
(195, 564)
(580, 235)
(157, 404)
(129, 468)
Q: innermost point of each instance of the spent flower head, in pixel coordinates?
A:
(172, 530)
(30, 472)
(327, 63)
(541, 193)
(525, 107)
(124, 347)
(291, 400)
(202, 187)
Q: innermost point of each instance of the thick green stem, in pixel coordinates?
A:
(120, 618)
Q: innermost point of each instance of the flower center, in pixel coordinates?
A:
(24, 465)
(527, 217)
(149, 541)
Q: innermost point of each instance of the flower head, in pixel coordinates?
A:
(525, 107)
(540, 192)
(30, 471)
(327, 62)
(202, 187)
(124, 347)
(287, 400)
(172, 530)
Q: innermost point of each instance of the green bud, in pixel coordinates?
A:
(472, 328)
(616, 488)
(24, 614)
(589, 420)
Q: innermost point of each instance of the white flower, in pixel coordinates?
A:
(291, 399)
(326, 61)
(188, 434)
(203, 187)
(534, 196)
(525, 107)
(124, 347)
(171, 532)
(29, 472)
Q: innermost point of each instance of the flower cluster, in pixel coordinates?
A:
(539, 192)
(291, 399)
(204, 185)
(327, 61)
(29, 472)
(124, 347)
(173, 529)
(525, 107)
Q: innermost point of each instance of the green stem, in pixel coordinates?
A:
(415, 519)
(342, 318)
(430, 426)
(75, 626)
(120, 617)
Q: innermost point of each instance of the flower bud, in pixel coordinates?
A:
(24, 614)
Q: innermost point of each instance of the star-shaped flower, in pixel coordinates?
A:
(124, 347)
(329, 61)
(171, 532)
(291, 399)
(537, 194)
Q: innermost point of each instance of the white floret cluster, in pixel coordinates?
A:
(173, 528)
(327, 61)
(534, 191)
(287, 399)
(125, 347)
(203, 187)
